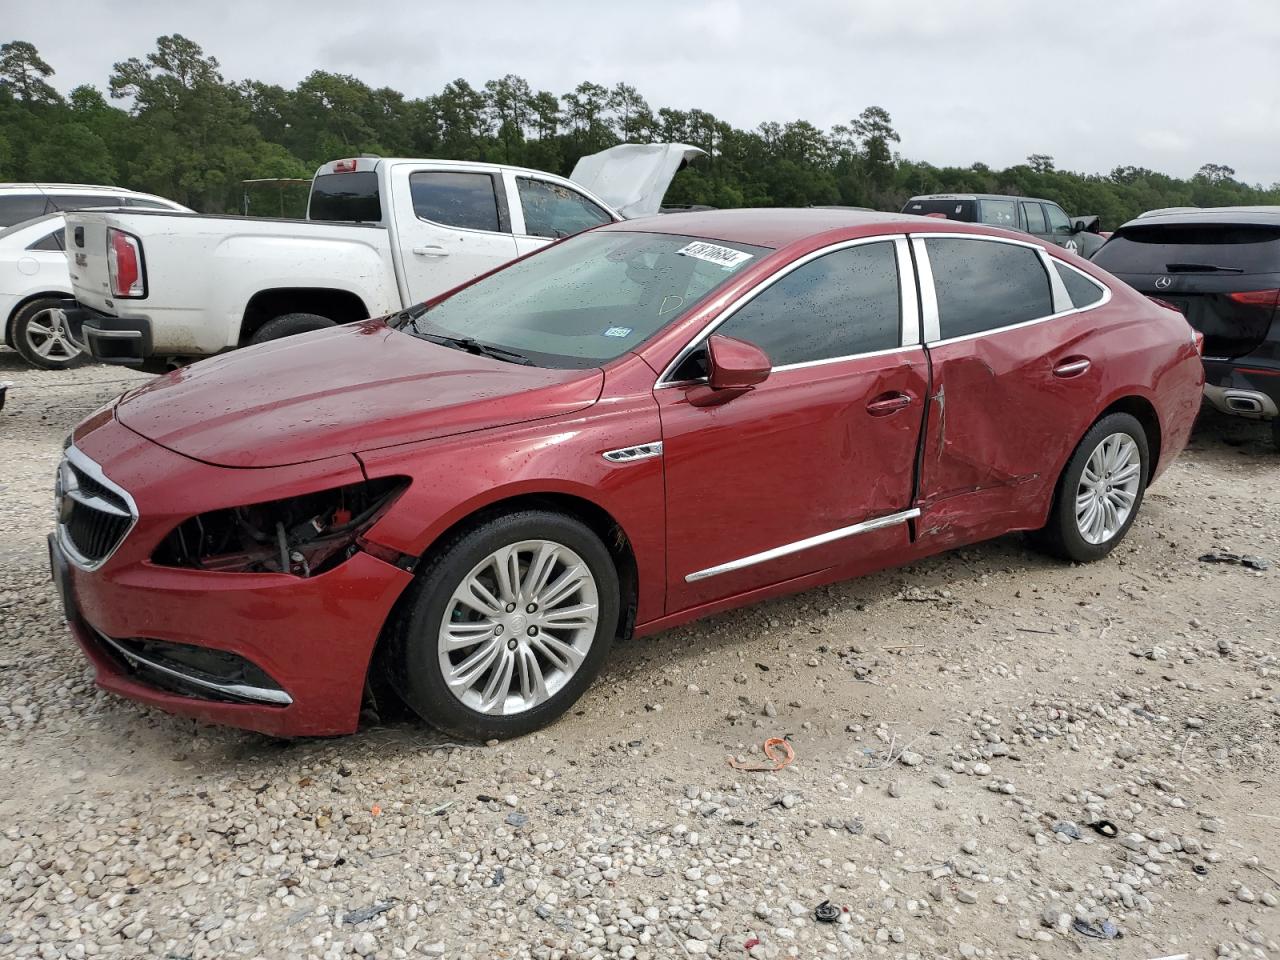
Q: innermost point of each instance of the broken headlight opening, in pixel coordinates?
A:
(302, 536)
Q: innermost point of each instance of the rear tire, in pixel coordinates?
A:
(1099, 493)
(290, 324)
(42, 337)
(539, 616)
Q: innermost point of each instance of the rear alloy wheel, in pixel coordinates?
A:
(42, 336)
(1100, 491)
(508, 626)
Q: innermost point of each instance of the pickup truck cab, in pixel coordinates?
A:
(1043, 219)
(158, 289)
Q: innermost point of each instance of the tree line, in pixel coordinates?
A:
(171, 124)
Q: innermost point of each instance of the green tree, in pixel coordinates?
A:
(25, 74)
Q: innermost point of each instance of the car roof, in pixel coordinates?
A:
(1266, 216)
(978, 196)
(772, 226)
(62, 187)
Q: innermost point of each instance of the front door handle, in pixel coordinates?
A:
(1072, 367)
(888, 403)
(434, 250)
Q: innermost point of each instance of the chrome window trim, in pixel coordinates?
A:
(929, 299)
(908, 299)
(90, 467)
(242, 691)
(640, 451)
(728, 312)
(797, 546)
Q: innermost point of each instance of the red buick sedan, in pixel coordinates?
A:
(637, 426)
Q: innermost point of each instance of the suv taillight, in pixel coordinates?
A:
(124, 265)
(1256, 298)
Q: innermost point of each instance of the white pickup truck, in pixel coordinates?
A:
(158, 289)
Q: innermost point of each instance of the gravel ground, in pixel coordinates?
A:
(957, 725)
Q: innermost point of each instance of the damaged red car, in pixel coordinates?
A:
(632, 428)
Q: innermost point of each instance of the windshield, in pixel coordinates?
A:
(589, 299)
(27, 225)
(949, 207)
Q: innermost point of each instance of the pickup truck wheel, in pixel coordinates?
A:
(1100, 491)
(43, 338)
(289, 324)
(506, 628)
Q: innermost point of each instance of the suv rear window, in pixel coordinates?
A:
(346, 198)
(962, 210)
(1181, 248)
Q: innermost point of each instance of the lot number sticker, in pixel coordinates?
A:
(726, 257)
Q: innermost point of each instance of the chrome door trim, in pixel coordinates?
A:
(929, 299)
(641, 451)
(763, 285)
(789, 548)
(907, 297)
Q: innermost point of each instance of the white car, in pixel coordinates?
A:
(33, 265)
(157, 289)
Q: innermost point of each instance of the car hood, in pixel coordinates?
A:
(342, 390)
(633, 177)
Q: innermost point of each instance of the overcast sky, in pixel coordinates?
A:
(1095, 83)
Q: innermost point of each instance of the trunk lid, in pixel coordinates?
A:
(633, 177)
(342, 390)
(1225, 278)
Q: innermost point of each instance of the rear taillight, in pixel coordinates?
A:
(1256, 298)
(124, 264)
(344, 166)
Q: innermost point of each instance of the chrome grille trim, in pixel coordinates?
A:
(81, 481)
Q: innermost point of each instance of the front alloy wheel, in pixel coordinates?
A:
(518, 627)
(506, 626)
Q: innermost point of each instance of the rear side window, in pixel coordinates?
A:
(842, 304)
(984, 285)
(466, 200)
(53, 241)
(1000, 213)
(147, 204)
(80, 201)
(17, 209)
(963, 210)
(1192, 248)
(552, 210)
(1083, 291)
(1034, 216)
(346, 198)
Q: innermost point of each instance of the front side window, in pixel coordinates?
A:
(984, 285)
(80, 201)
(1059, 222)
(590, 299)
(1000, 213)
(1082, 290)
(16, 209)
(456, 199)
(839, 305)
(552, 210)
(1034, 216)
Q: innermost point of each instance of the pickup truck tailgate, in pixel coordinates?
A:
(87, 260)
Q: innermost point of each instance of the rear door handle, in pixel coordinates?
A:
(435, 250)
(1072, 367)
(888, 403)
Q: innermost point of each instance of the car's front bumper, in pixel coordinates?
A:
(304, 642)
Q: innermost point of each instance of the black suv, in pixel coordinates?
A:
(1042, 218)
(1221, 267)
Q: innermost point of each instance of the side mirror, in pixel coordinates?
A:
(733, 367)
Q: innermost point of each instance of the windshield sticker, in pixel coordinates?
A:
(618, 332)
(726, 257)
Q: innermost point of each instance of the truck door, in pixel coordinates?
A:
(452, 224)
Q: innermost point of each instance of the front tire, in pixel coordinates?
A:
(290, 324)
(42, 336)
(507, 627)
(1100, 491)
